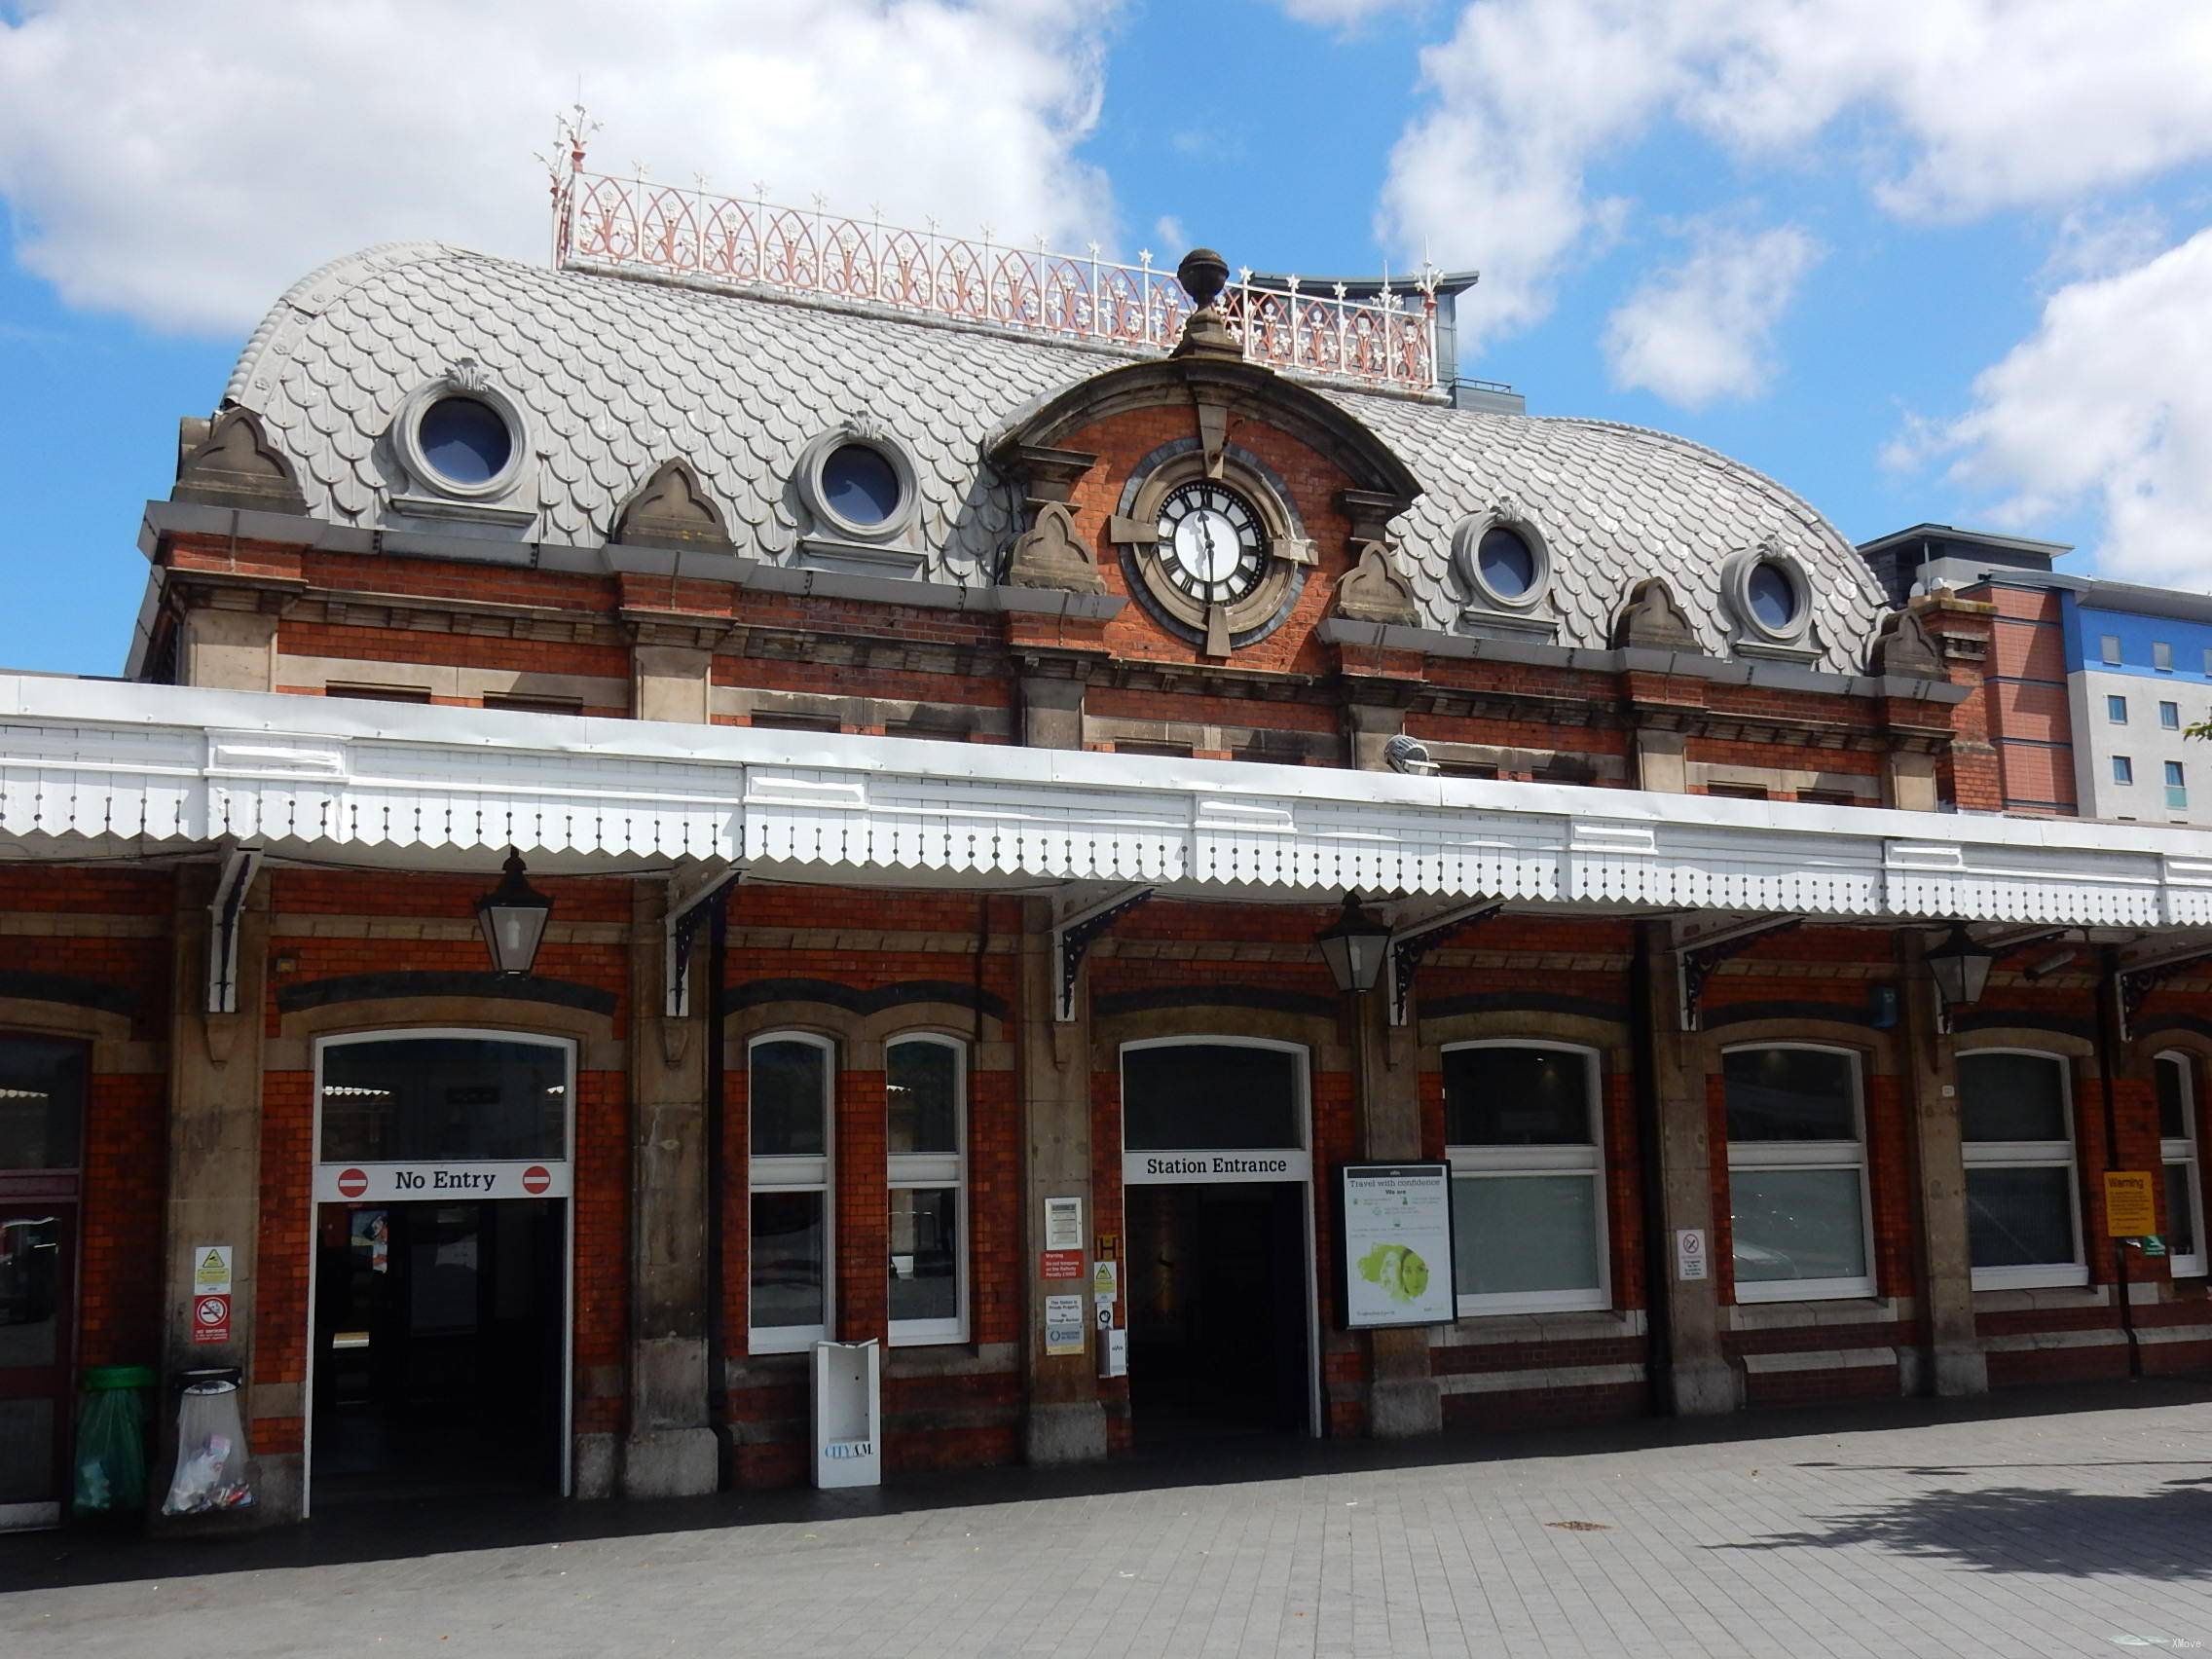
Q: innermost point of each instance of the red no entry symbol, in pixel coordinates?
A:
(352, 1183)
(537, 1178)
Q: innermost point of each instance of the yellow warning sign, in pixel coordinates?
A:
(2130, 1212)
(211, 1270)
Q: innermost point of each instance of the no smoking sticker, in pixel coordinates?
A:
(211, 1319)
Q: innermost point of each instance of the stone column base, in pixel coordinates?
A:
(1401, 1408)
(671, 1463)
(1073, 1433)
(1959, 1372)
(1704, 1388)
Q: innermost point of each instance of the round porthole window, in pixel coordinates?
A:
(1773, 596)
(859, 485)
(1507, 563)
(465, 440)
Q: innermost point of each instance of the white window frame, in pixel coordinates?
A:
(1504, 1162)
(2116, 709)
(2183, 1151)
(1755, 1157)
(906, 1170)
(794, 1174)
(2170, 716)
(2029, 1155)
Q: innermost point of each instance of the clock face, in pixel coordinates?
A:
(1211, 546)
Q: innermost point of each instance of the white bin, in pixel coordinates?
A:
(848, 1415)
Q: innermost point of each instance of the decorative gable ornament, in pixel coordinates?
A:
(1051, 554)
(229, 461)
(671, 509)
(1651, 620)
(1372, 591)
(1903, 648)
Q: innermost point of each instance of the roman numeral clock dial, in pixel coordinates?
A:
(1211, 547)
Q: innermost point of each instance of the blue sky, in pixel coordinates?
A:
(1942, 261)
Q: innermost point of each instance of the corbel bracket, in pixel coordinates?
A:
(2136, 981)
(1073, 937)
(240, 866)
(692, 895)
(1409, 945)
(1697, 958)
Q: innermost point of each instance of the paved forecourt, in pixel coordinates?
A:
(2055, 1523)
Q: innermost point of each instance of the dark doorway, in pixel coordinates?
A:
(1217, 1310)
(438, 1347)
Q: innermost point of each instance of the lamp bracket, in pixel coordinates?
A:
(1073, 937)
(2136, 981)
(238, 868)
(1698, 957)
(1408, 946)
(692, 895)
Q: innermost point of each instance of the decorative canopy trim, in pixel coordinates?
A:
(89, 769)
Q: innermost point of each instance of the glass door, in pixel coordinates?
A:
(42, 1116)
(38, 1259)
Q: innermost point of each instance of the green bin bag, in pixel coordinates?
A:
(111, 1441)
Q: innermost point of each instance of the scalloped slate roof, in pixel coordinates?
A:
(617, 376)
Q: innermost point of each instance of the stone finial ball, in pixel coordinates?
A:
(1203, 275)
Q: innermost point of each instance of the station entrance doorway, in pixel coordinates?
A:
(1218, 1271)
(439, 1343)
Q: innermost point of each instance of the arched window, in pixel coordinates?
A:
(926, 1119)
(2185, 1176)
(1524, 1129)
(2023, 1209)
(1797, 1201)
(791, 1078)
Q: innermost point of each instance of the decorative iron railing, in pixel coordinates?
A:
(617, 225)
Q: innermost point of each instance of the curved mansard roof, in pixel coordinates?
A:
(617, 376)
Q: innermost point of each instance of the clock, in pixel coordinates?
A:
(1212, 548)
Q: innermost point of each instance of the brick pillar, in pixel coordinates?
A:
(1698, 1381)
(1952, 1351)
(214, 1194)
(669, 1449)
(1065, 1423)
(1403, 1398)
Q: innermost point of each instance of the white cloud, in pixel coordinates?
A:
(2108, 404)
(184, 163)
(1963, 107)
(1703, 329)
(1169, 240)
(1339, 14)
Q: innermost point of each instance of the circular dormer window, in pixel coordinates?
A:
(1773, 596)
(859, 485)
(1507, 563)
(461, 437)
(1503, 561)
(1770, 597)
(465, 440)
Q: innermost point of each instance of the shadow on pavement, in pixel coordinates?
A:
(366, 1531)
(2159, 1534)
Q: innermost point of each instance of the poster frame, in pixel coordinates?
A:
(1436, 1168)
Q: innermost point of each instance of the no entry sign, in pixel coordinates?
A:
(396, 1183)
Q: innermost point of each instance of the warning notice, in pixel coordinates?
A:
(211, 1319)
(211, 1270)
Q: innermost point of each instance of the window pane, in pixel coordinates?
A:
(2180, 1212)
(1206, 1095)
(42, 1103)
(788, 1277)
(1790, 1094)
(922, 1085)
(2173, 1099)
(2019, 1217)
(925, 1244)
(1796, 1224)
(457, 1097)
(1517, 1233)
(1516, 1097)
(2010, 1098)
(789, 1087)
